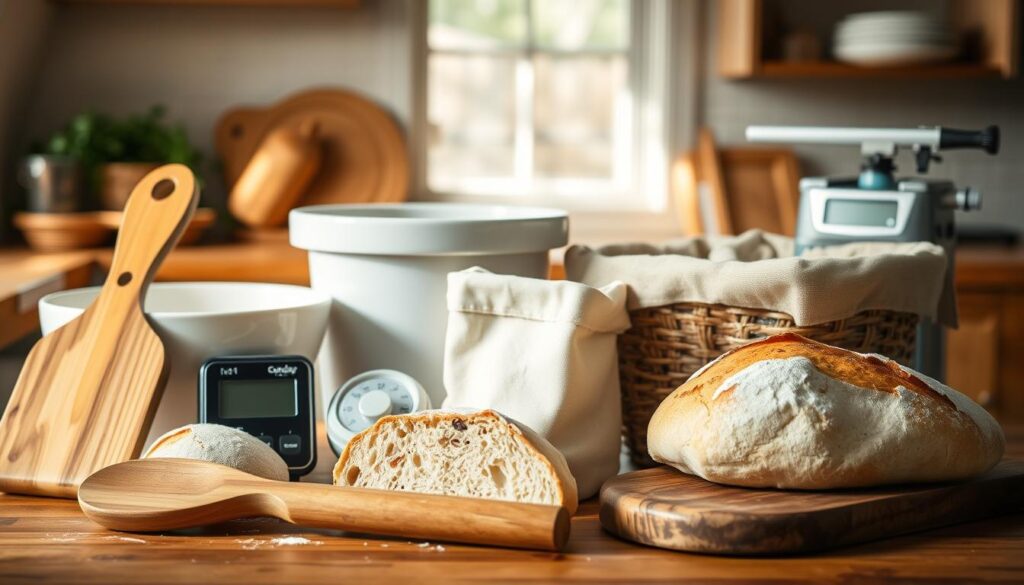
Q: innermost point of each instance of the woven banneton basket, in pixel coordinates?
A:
(665, 345)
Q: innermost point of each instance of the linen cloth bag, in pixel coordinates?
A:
(758, 270)
(543, 353)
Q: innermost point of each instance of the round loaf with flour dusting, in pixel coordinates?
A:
(221, 444)
(788, 412)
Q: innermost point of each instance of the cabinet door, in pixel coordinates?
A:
(972, 351)
(1011, 357)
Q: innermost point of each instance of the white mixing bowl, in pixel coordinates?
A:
(386, 267)
(200, 320)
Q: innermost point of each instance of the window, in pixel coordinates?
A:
(546, 101)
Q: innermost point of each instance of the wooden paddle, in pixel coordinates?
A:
(165, 494)
(87, 391)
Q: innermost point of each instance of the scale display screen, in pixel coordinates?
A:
(861, 212)
(258, 398)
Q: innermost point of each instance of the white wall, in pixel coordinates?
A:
(23, 29)
(729, 106)
(201, 61)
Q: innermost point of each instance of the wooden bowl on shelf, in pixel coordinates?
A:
(60, 232)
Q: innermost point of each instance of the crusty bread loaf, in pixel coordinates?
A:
(478, 454)
(221, 444)
(788, 412)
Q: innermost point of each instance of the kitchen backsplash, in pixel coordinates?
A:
(203, 60)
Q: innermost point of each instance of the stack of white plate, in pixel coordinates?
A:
(892, 38)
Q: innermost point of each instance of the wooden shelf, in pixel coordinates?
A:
(782, 69)
(236, 261)
(241, 3)
(25, 277)
(742, 41)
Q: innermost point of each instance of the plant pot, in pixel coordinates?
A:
(117, 181)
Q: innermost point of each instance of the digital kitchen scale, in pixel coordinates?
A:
(364, 399)
(876, 206)
(269, 397)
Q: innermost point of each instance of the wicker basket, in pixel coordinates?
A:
(667, 344)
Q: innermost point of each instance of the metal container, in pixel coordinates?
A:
(55, 184)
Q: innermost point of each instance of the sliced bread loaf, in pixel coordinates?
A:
(476, 454)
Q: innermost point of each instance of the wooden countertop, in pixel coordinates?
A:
(49, 541)
(271, 261)
(981, 268)
(26, 277)
(275, 260)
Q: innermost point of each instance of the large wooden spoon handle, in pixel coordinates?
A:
(425, 516)
(158, 209)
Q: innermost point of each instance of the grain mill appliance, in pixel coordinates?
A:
(877, 206)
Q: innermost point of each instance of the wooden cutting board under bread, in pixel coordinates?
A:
(665, 508)
(87, 391)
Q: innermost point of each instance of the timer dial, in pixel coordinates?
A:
(364, 399)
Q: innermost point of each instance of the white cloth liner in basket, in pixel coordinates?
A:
(757, 270)
(541, 352)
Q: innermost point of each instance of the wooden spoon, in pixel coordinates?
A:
(165, 494)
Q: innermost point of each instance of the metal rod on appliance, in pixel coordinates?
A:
(929, 137)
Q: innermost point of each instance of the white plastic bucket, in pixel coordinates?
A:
(386, 268)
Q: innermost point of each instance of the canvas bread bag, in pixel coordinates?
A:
(758, 270)
(542, 352)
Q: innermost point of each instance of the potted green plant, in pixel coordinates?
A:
(116, 153)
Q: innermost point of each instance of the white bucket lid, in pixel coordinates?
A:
(427, 229)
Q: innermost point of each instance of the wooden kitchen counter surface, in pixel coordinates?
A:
(990, 268)
(240, 261)
(50, 541)
(277, 261)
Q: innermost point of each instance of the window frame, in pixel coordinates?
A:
(664, 42)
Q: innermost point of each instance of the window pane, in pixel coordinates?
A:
(471, 116)
(581, 24)
(582, 117)
(477, 24)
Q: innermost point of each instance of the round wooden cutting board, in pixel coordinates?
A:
(665, 508)
(364, 157)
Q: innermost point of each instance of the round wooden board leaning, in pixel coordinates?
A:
(364, 158)
(668, 509)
